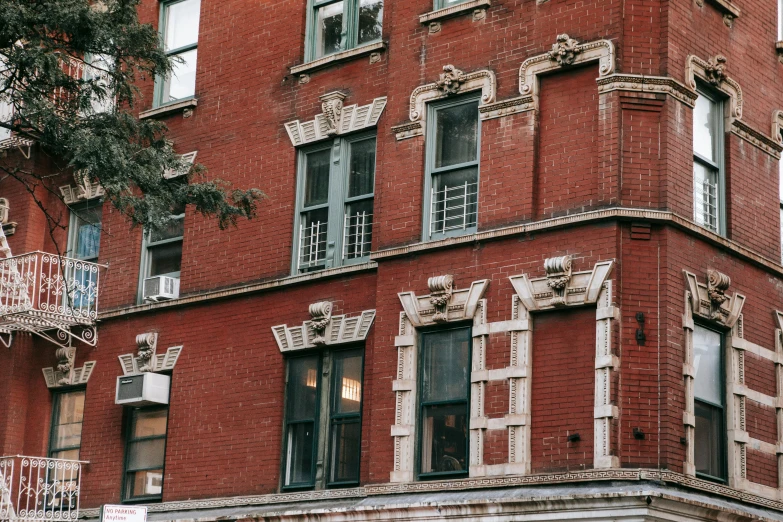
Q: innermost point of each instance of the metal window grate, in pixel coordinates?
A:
(357, 235)
(312, 245)
(705, 197)
(453, 208)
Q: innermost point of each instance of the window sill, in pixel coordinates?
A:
(727, 7)
(169, 109)
(342, 56)
(455, 10)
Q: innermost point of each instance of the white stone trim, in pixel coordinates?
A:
(83, 190)
(565, 52)
(454, 10)
(712, 72)
(65, 374)
(323, 330)
(777, 126)
(147, 359)
(342, 56)
(328, 124)
(647, 84)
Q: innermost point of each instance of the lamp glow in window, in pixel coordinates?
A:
(311, 378)
(352, 389)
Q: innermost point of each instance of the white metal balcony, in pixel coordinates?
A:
(37, 489)
(48, 295)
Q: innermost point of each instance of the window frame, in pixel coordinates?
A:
(128, 441)
(146, 258)
(350, 34)
(72, 243)
(324, 417)
(339, 173)
(720, 148)
(160, 81)
(56, 402)
(780, 196)
(780, 20)
(431, 171)
(722, 407)
(445, 475)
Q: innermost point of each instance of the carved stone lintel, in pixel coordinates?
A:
(558, 274)
(146, 344)
(717, 284)
(321, 314)
(332, 105)
(564, 50)
(710, 301)
(450, 80)
(440, 295)
(716, 70)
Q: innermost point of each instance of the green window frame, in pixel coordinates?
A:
(65, 434)
(709, 387)
(334, 203)
(145, 454)
(453, 155)
(183, 45)
(339, 25)
(323, 419)
(443, 4)
(443, 448)
(709, 178)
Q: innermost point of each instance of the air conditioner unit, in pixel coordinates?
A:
(142, 389)
(161, 288)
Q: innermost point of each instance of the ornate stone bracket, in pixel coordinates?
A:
(444, 304)
(777, 126)
(9, 227)
(82, 190)
(147, 359)
(580, 288)
(65, 373)
(713, 71)
(565, 52)
(335, 119)
(558, 275)
(451, 81)
(323, 329)
(710, 302)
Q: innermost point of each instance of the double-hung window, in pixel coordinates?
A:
(323, 419)
(145, 453)
(335, 204)
(443, 412)
(84, 239)
(709, 402)
(709, 206)
(338, 25)
(162, 252)
(66, 433)
(451, 183)
(179, 21)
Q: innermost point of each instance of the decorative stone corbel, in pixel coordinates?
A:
(147, 359)
(450, 80)
(777, 126)
(440, 295)
(323, 329)
(321, 316)
(65, 373)
(558, 274)
(4, 210)
(332, 105)
(713, 71)
(717, 284)
(562, 288)
(335, 119)
(82, 190)
(711, 302)
(564, 50)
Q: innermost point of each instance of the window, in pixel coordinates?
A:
(340, 445)
(443, 391)
(338, 25)
(451, 184)
(67, 415)
(145, 453)
(98, 68)
(710, 434)
(163, 247)
(708, 184)
(780, 190)
(335, 204)
(6, 107)
(179, 32)
(780, 20)
(84, 232)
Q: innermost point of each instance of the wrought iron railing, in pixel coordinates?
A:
(357, 235)
(312, 245)
(453, 208)
(38, 489)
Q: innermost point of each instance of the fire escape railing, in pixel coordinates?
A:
(37, 489)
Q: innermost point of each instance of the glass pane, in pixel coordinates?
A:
(68, 435)
(708, 383)
(358, 229)
(299, 454)
(316, 191)
(370, 20)
(704, 118)
(444, 437)
(174, 228)
(88, 232)
(456, 136)
(182, 82)
(72, 454)
(146, 454)
(182, 24)
(143, 483)
(165, 259)
(705, 196)
(347, 389)
(361, 179)
(98, 68)
(328, 29)
(312, 239)
(708, 444)
(67, 429)
(302, 391)
(780, 184)
(445, 365)
(149, 423)
(344, 464)
(454, 201)
(70, 407)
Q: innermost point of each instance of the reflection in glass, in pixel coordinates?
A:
(301, 399)
(88, 232)
(316, 190)
(361, 178)
(182, 19)
(67, 425)
(344, 464)
(181, 83)
(346, 401)
(370, 20)
(708, 382)
(456, 135)
(166, 259)
(704, 118)
(328, 29)
(146, 453)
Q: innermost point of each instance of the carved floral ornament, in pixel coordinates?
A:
(147, 359)
(711, 301)
(65, 373)
(83, 189)
(323, 329)
(561, 287)
(443, 304)
(713, 71)
(777, 126)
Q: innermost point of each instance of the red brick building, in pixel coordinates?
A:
(519, 259)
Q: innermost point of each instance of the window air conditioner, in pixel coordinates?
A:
(161, 288)
(143, 389)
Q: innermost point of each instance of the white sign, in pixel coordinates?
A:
(110, 513)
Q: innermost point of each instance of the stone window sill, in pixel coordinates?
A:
(727, 7)
(342, 56)
(168, 109)
(455, 10)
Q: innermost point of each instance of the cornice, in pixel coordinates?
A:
(756, 138)
(648, 84)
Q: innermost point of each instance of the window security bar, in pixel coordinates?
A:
(357, 235)
(706, 204)
(453, 208)
(312, 245)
